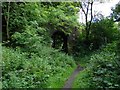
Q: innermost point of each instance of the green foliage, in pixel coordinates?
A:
(82, 80)
(20, 71)
(103, 32)
(104, 68)
(63, 17)
(31, 63)
(20, 14)
(31, 38)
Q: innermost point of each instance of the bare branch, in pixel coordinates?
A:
(87, 8)
(82, 9)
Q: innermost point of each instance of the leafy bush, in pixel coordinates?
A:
(104, 68)
(31, 39)
(103, 32)
(19, 71)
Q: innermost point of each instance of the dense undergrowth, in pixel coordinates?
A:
(48, 69)
(29, 61)
(51, 68)
(102, 69)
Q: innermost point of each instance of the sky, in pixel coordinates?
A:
(103, 8)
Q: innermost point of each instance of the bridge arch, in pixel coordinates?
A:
(60, 40)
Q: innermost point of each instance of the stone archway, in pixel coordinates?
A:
(60, 40)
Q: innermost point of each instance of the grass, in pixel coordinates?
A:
(80, 80)
(59, 82)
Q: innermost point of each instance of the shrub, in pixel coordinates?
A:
(19, 71)
(104, 68)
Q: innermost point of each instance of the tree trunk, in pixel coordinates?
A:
(7, 21)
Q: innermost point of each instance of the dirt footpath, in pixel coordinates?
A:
(69, 82)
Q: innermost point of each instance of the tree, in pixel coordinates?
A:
(86, 8)
(103, 32)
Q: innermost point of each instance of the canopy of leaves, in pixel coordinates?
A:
(50, 16)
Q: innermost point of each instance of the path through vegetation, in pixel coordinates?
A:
(69, 82)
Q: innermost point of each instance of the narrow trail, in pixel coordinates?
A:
(69, 82)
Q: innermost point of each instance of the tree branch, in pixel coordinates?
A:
(82, 9)
(91, 15)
